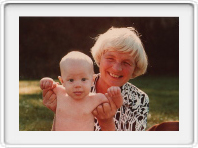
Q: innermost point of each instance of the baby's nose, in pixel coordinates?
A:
(77, 85)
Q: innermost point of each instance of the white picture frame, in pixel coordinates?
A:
(10, 134)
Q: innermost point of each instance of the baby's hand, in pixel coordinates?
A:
(115, 93)
(47, 83)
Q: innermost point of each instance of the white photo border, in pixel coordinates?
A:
(11, 138)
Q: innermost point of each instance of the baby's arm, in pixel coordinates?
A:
(97, 99)
(47, 83)
(114, 93)
(101, 98)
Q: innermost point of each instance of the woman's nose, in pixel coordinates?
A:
(117, 66)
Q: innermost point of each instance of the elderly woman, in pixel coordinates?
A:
(120, 56)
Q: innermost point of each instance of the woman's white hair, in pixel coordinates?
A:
(124, 40)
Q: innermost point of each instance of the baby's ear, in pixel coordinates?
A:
(60, 79)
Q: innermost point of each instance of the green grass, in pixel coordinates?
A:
(163, 94)
(33, 115)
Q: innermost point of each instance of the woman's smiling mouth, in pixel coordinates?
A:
(114, 75)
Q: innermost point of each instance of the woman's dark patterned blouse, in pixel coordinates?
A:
(132, 115)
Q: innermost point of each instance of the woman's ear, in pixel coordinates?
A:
(60, 79)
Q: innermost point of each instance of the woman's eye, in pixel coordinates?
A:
(126, 63)
(71, 80)
(83, 79)
(110, 59)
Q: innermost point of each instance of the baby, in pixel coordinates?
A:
(75, 102)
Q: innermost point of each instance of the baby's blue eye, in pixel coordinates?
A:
(83, 79)
(71, 80)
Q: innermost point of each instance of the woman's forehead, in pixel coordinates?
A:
(120, 55)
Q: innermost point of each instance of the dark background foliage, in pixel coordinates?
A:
(43, 41)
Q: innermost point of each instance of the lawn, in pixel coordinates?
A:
(163, 94)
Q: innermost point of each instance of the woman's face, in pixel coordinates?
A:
(116, 68)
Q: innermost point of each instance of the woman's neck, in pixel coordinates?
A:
(101, 87)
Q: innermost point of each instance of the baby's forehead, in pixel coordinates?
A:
(79, 73)
(69, 64)
(76, 62)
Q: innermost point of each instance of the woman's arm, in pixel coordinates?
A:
(50, 99)
(140, 111)
(143, 113)
(49, 96)
(105, 114)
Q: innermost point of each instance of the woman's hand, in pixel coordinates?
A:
(105, 113)
(50, 99)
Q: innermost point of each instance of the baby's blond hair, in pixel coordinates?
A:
(76, 56)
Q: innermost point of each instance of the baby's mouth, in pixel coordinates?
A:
(115, 76)
(78, 93)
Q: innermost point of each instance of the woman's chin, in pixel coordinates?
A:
(115, 82)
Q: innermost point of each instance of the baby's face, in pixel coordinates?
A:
(77, 79)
